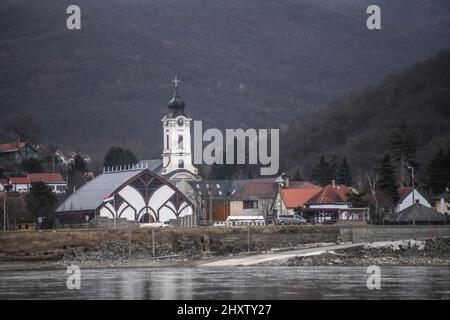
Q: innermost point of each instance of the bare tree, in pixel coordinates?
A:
(23, 126)
(372, 180)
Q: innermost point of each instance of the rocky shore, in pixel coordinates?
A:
(404, 253)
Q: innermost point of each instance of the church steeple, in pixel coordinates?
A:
(177, 153)
(176, 105)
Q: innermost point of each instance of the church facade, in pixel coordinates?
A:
(146, 192)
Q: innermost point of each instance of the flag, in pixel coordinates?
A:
(108, 198)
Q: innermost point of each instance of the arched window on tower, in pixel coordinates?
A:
(167, 142)
(180, 164)
(180, 141)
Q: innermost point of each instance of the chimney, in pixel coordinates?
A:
(286, 181)
(333, 183)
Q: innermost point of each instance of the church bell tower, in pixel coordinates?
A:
(177, 153)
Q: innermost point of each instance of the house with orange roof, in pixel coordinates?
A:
(331, 205)
(288, 200)
(53, 180)
(16, 152)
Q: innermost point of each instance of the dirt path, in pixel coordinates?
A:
(266, 257)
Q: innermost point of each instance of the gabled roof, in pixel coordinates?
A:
(256, 190)
(293, 198)
(421, 214)
(91, 194)
(19, 180)
(403, 192)
(46, 177)
(331, 194)
(12, 147)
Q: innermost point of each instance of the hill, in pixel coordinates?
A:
(255, 63)
(358, 126)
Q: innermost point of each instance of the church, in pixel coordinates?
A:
(149, 191)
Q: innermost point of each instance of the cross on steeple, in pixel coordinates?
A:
(175, 82)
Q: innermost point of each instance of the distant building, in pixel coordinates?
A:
(441, 203)
(20, 184)
(16, 152)
(254, 199)
(288, 200)
(406, 198)
(331, 205)
(419, 213)
(53, 180)
(5, 186)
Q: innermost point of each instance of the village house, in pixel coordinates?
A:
(16, 152)
(254, 199)
(406, 199)
(441, 203)
(416, 214)
(54, 181)
(289, 200)
(331, 205)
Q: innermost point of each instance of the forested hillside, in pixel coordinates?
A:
(252, 63)
(360, 125)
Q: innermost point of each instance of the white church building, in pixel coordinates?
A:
(147, 192)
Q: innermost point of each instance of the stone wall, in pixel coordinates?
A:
(372, 233)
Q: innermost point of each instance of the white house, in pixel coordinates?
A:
(20, 184)
(406, 199)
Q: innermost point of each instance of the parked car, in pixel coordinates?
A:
(290, 219)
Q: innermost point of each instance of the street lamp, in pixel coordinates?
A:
(413, 194)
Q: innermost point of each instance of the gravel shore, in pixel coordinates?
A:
(403, 253)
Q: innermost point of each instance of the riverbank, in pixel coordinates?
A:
(394, 253)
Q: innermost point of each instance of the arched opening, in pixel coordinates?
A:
(146, 218)
(181, 164)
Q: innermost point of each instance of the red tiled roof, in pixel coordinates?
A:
(45, 177)
(303, 185)
(257, 189)
(11, 147)
(294, 198)
(331, 195)
(19, 180)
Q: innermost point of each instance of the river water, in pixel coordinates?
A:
(230, 283)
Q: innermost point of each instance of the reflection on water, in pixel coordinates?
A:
(230, 283)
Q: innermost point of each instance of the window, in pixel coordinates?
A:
(250, 204)
(180, 141)
(181, 164)
(167, 142)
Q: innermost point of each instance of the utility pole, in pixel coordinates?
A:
(413, 195)
(4, 213)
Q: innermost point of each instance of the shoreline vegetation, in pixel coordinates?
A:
(123, 254)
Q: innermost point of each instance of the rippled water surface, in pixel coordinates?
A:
(230, 283)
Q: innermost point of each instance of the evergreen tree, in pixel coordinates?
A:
(77, 173)
(438, 172)
(387, 182)
(334, 167)
(41, 201)
(322, 172)
(344, 174)
(297, 175)
(31, 165)
(403, 147)
(117, 156)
